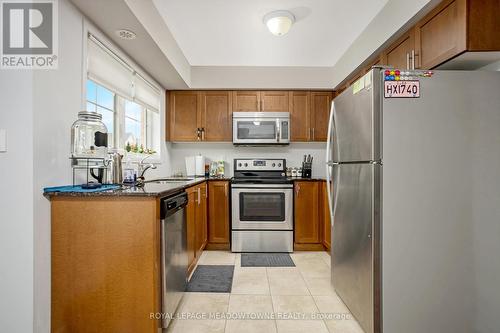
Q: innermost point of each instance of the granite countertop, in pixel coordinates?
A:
(150, 189)
(316, 179)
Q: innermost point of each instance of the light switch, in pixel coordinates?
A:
(3, 141)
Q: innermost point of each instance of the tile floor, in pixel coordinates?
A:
(268, 300)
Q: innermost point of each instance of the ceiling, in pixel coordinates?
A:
(231, 32)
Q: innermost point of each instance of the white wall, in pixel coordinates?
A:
(16, 202)
(57, 100)
(226, 151)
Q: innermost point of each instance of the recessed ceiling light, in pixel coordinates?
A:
(279, 22)
(126, 34)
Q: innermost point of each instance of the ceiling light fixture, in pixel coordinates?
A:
(279, 22)
(126, 34)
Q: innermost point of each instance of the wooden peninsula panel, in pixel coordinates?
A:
(105, 264)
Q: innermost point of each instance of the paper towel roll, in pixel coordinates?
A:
(200, 166)
(190, 166)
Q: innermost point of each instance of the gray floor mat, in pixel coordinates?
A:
(211, 279)
(266, 260)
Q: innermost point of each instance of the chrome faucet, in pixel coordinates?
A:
(143, 169)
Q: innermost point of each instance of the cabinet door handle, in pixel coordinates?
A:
(408, 61)
(313, 136)
(413, 59)
(225, 190)
(199, 196)
(297, 189)
(198, 134)
(203, 134)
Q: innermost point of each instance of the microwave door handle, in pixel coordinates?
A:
(278, 130)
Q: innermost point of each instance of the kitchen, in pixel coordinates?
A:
(190, 102)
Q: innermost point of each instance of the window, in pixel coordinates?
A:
(128, 102)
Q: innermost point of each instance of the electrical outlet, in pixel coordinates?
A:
(3, 141)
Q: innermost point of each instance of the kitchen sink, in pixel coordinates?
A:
(169, 180)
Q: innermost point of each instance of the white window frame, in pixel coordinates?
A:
(89, 28)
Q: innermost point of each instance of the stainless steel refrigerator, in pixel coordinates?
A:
(401, 158)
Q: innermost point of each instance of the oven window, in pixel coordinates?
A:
(263, 130)
(262, 206)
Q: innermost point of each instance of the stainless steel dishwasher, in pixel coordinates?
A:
(174, 258)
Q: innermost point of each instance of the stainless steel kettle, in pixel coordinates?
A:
(116, 168)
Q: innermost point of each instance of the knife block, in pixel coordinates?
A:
(306, 169)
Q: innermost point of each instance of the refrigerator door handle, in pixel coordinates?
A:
(329, 138)
(336, 182)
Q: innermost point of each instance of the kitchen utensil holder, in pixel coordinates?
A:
(306, 169)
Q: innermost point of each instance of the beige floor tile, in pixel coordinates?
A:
(330, 305)
(286, 281)
(217, 258)
(302, 305)
(326, 258)
(250, 326)
(250, 281)
(343, 326)
(301, 326)
(321, 286)
(250, 304)
(207, 303)
(314, 267)
(197, 326)
(237, 261)
(300, 256)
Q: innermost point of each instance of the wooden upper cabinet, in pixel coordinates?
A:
(307, 226)
(218, 214)
(216, 115)
(183, 115)
(246, 101)
(456, 26)
(260, 101)
(274, 101)
(442, 34)
(199, 116)
(401, 53)
(309, 115)
(320, 114)
(300, 110)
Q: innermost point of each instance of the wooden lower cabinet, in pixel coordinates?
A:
(312, 216)
(307, 222)
(105, 255)
(196, 218)
(201, 220)
(218, 215)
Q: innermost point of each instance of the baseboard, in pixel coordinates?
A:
(217, 246)
(308, 247)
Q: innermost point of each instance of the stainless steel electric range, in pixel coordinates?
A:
(262, 206)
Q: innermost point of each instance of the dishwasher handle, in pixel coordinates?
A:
(171, 205)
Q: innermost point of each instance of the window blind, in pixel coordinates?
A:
(108, 69)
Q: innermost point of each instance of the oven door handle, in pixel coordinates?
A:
(262, 186)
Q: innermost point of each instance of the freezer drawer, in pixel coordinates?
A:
(355, 239)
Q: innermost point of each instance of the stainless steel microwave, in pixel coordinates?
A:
(261, 128)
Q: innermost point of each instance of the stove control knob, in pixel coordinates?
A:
(279, 164)
(239, 164)
(246, 164)
(274, 165)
